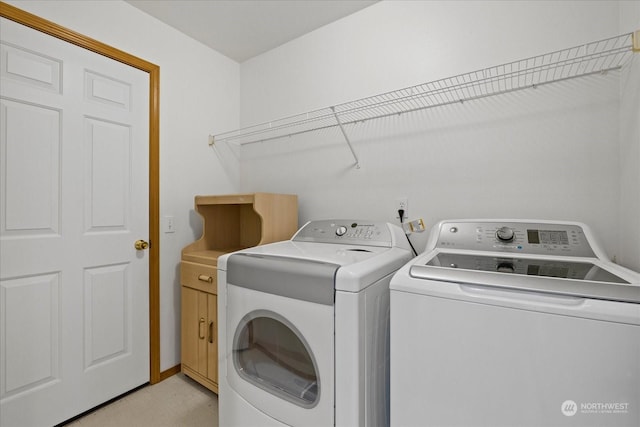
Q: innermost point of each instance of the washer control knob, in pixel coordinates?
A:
(505, 234)
(341, 230)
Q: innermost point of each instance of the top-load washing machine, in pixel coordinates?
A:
(304, 327)
(514, 323)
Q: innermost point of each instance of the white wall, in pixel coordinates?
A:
(549, 153)
(199, 92)
(630, 147)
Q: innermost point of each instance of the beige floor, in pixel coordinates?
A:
(177, 401)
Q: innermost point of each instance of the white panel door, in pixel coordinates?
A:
(74, 304)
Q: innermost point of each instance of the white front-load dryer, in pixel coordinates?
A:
(304, 327)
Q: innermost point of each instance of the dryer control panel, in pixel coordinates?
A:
(543, 238)
(354, 232)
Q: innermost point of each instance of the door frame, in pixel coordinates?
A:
(25, 18)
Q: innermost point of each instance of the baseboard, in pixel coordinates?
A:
(169, 372)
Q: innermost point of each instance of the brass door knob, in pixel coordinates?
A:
(141, 245)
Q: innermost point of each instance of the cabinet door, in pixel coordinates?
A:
(212, 337)
(194, 325)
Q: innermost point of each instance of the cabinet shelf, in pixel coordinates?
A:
(587, 59)
(236, 221)
(209, 256)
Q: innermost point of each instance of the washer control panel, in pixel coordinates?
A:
(515, 237)
(369, 233)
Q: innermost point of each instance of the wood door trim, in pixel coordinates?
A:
(25, 18)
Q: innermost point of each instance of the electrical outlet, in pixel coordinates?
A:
(416, 226)
(402, 203)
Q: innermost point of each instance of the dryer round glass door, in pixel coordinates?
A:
(270, 353)
(280, 355)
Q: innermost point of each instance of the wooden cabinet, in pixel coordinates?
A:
(230, 222)
(199, 322)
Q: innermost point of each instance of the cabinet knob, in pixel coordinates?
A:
(211, 332)
(205, 278)
(201, 328)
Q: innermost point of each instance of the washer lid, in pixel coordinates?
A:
(560, 268)
(552, 276)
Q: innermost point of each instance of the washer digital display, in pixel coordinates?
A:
(547, 237)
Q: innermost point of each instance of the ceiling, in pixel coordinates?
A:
(242, 29)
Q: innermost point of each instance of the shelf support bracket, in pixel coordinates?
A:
(212, 144)
(346, 137)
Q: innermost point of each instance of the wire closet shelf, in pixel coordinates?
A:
(587, 59)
